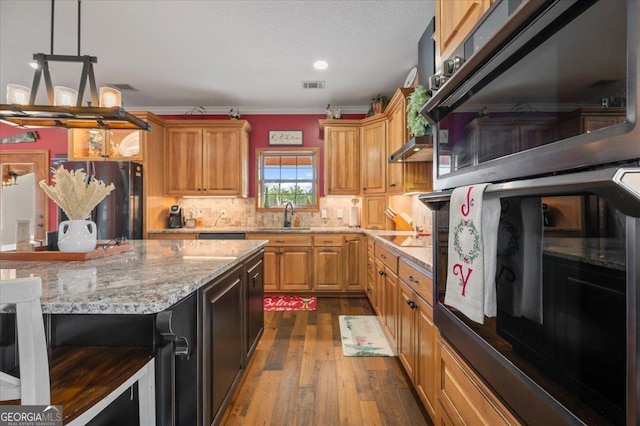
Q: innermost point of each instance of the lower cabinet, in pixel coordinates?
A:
(463, 397)
(222, 351)
(303, 263)
(417, 337)
(254, 276)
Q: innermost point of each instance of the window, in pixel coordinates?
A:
(287, 176)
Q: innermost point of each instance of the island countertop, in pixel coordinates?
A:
(148, 279)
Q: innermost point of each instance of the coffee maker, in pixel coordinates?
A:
(175, 216)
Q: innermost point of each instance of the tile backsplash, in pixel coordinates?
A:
(242, 212)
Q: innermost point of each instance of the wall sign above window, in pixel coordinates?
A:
(285, 137)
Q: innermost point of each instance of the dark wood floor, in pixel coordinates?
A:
(298, 376)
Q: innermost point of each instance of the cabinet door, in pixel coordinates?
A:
(255, 302)
(426, 360)
(372, 274)
(418, 176)
(342, 160)
(222, 337)
(591, 124)
(396, 138)
(295, 268)
(406, 329)
(328, 268)
(373, 216)
(378, 290)
(390, 307)
(271, 268)
(183, 163)
(100, 144)
(222, 153)
(355, 261)
(454, 21)
(374, 158)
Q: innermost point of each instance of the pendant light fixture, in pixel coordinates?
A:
(63, 110)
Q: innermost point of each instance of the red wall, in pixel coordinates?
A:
(259, 138)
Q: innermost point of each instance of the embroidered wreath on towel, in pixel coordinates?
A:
(466, 226)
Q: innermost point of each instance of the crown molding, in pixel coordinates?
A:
(252, 110)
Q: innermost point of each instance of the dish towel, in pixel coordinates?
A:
(473, 240)
(519, 274)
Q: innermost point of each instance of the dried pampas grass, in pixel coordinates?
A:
(75, 192)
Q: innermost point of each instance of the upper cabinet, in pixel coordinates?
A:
(454, 21)
(374, 155)
(111, 144)
(207, 157)
(342, 156)
(407, 176)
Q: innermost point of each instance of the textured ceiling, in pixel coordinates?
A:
(250, 55)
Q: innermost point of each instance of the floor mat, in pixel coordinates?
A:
(289, 303)
(362, 335)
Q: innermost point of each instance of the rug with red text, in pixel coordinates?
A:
(289, 303)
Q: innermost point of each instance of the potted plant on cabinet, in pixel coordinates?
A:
(416, 123)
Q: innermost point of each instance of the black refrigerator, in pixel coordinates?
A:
(120, 213)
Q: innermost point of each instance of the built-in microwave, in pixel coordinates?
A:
(538, 88)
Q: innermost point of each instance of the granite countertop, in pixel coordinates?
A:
(419, 252)
(152, 277)
(605, 252)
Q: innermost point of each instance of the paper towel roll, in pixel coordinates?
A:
(353, 216)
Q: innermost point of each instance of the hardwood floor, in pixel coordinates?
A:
(298, 376)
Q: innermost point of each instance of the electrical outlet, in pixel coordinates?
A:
(339, 214)
(223, 214)
(323, 214)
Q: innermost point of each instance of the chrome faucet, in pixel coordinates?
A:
(287, 222)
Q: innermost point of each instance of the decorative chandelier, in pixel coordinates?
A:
(103, 112)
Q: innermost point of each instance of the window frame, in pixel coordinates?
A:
(313, 152)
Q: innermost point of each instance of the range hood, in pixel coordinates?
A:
(417, 149)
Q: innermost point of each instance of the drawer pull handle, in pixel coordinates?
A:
(383, 256)
(412, 304)
(413, 280)
(381, 272)
(279, 241)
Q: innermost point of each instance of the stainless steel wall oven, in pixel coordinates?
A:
(578, 362)
(540, 101)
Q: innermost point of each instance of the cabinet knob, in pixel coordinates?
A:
(381, 272)
(392, 185)
(412, 304)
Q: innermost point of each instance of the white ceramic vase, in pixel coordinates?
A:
(77, 236)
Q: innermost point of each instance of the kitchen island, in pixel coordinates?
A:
(193, 302)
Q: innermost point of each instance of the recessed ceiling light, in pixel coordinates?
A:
(320, 65)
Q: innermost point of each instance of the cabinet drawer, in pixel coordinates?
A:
(387, 257)
(417, 279)
(327, 240)
(279, 240)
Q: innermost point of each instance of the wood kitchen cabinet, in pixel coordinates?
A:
(462, 396)
(342, 156)
(454, 21)
(328, 262)
(417, 333)
(387, 266)
(287, 261)
(254, 278)
(409, 176)
(373, 208)
(355, 261)
(372, 278)
(374, 155)
(113, 144)
(207, 158)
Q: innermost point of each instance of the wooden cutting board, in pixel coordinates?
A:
(42, 255)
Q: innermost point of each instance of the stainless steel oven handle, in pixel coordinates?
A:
(619, 186)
